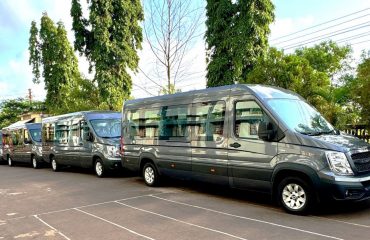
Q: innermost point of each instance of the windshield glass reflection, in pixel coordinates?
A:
(301, 117)
(107, 128)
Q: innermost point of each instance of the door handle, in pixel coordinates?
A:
(235, 145)
(80, 144)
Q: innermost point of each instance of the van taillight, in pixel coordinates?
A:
(122, 146)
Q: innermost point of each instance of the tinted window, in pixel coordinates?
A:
(61, 133)
(248, 116)
(74, 135)
(174, 122)
(48, 132)
(150, 123)
(208, 121)
(133, 118)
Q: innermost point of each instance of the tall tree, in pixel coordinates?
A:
(362, 86)
(236, 36)
(51, 50)
(109, 38)
(170, 31)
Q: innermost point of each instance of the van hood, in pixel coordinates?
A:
(341, 142)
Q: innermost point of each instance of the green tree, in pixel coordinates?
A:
(10, 110)
(236, 36)
(310, 72)
(109, 38)
(50, 49)
(361, 87)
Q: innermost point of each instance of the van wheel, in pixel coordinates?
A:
(296, 195)
(150, 175)
(99, 168)
(34, 163)
(10, 162)
(54, 165)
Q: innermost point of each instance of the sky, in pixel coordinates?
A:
(290, 16)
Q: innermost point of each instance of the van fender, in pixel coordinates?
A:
(149, 156)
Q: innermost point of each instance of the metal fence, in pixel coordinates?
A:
(360, 131)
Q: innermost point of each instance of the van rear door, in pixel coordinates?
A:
(249, 156)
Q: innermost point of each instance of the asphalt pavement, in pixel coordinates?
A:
(75, 204)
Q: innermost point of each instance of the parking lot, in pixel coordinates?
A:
(75, 204)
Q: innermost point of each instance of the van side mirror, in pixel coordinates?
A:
(266, 131)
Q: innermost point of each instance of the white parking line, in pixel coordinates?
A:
(247, 218)
(341, 221)
(94, 204)
(59, 232)
(115, 224)
(177, 220)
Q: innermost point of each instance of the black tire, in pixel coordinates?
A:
(55, 166)
(35, 164)
(10, 162)
(150, 175)
(296, 195)
(99, 168)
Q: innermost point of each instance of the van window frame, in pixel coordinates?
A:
(265, 111)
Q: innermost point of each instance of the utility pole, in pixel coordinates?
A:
(30, 95)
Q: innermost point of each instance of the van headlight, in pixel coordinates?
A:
(338, 163)
(113, 151)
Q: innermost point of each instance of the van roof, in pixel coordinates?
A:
(260, 91)
(88, 114)
(22, 124)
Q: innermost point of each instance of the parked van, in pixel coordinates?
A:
(22, 143)
(83, 139)
(253, 137)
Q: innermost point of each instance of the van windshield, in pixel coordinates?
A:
(107, 128)
(36, 135)
(301, 117)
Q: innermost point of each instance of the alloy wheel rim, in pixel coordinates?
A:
(294, 196)
(149, 175)
(10, 163)
(54, 164)
(99, 168)
(34, 162)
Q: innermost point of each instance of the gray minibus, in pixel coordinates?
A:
(83, 139)
(252, 137)
(22, 143)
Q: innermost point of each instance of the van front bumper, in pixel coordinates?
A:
(112, 163)
(352, 188)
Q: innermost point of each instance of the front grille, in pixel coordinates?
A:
(362, 161)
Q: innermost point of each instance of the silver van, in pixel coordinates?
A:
(1, 148)
(83, 139)
(22, 143)
(252, 137)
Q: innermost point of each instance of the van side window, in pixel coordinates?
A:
(48, 132)
(248, 116)
(26, 135)
(150, 123)
(174, 122)
(74, 136)
(208, 121)
(61, 133)
(133, 118)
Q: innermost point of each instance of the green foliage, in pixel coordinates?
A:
(362, 86)
(327, 57)
(51, 50)
(109, 39)
(169, 90)
(236, 36)
(10, 110)
(311, 72)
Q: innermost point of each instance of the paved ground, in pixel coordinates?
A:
(74, 204)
